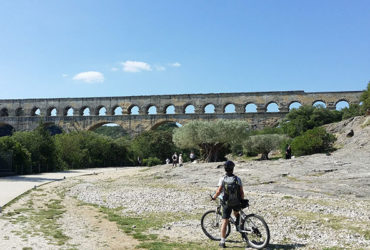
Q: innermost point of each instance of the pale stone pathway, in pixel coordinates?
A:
(13, 186)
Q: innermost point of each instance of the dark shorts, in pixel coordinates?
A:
(226, 211)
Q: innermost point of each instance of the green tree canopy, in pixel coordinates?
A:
(315, 140)
(308, 117)
(20, 158)
(154, 143)
(42, 148)
(210, 137)
(264, 143)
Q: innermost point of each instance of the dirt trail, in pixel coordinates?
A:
(89, 229)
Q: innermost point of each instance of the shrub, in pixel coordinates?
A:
(312, 141)
(151, 161)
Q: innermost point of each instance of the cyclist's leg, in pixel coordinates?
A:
(237, 218)
(226, 212)
(223, 227)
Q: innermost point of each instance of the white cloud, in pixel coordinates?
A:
(89, 77)
(134, 66)
(64, 75)
(176, 64)
(114, 69)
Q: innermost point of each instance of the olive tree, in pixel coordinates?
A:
(210, 137)
(264, 144)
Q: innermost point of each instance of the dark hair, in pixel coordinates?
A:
(229, 166)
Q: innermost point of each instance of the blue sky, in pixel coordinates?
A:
(74, 48)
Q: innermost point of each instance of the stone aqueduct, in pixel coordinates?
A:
(70, 113)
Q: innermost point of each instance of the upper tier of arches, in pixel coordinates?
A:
(178, 104)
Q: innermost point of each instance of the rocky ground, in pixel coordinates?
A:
(311, 202)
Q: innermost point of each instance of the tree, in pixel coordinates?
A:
(210, 137)
(315, 140)
(308, 117)
(365, 99)
(264, 144)
(154, 143)
(42, 148)
(352, 111)
(20, 157)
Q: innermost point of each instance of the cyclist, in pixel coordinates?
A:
(231, 189)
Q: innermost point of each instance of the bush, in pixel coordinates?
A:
(151, 161)
(313, 141)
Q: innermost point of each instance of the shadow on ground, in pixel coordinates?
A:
(29, 179)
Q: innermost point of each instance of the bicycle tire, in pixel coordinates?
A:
(212, 228)
(259, 237)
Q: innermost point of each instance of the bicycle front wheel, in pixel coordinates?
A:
(257, 233)
(211, 225)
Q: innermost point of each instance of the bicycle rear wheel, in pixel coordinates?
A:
(258, 233)
(211, 225)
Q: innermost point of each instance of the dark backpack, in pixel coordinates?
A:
(231, 189)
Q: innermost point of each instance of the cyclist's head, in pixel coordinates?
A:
(229, 166)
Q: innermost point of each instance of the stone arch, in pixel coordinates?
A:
(229, 108)
(341, 104)
(4, 112)
(318, 103)
(85, 111)
(100, 124)
(209, 108)
(53, 128)
(272, 107)
(156, 125)
(6, 129)
(151, 109)
(117, 110)
(170, 109)
(101, 111)
(35, 111)
(133, 109)
(251, 107)
(294, 105)
(52, 111)
(19, 111)
(68, 111)
(189, 108)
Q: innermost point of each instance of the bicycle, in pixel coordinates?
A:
(252, 227)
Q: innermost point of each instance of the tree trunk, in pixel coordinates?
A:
(211, 151)
(265, 156)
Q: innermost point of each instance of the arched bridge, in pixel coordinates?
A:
(139, 113)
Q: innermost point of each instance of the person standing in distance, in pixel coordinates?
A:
(231, 188)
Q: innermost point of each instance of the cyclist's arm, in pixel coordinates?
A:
(218, 192)
(241, 192)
